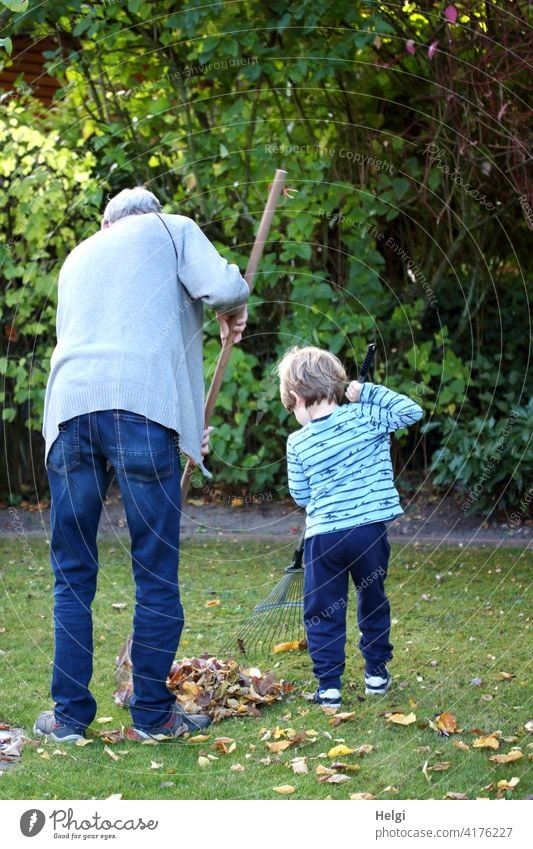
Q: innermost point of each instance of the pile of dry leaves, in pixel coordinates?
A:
(205, 684)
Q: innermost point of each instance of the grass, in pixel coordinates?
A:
(458, 615)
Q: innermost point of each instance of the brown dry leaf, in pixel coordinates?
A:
(361, 796)
(487, 697)
(294, 645)
(340, 751)
(440, 767)
(299, 766)
(506, 676)
(337, 778)
(214, 602)
(83, 742)
(279, 746)
(284, 789)
(451, 794)
(343, 767)
(401, 718)
(514, 755)
(203, 761)
(458, 744)
(226, 745)
(447, 723)
(323, 770)
(111, 753)
(347, 716)
(365, 749)
(489, 741)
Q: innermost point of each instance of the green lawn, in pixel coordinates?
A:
(458, 615)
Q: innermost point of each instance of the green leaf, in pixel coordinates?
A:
(16, 5)
(7, 44)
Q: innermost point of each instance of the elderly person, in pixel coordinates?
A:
(125, 390)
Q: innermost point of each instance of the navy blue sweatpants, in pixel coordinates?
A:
(330, 560)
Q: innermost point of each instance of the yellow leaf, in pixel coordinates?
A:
(447, 722)
(508, 785)
(203, 762)
(103, 719)
(340, 751)
(111, 753)
(514, 755)
(390, 788)
(214, 602)
(360, 796)
(83, 742)
(284, 789)
(342, 767)
(460, 745)
(294, 645)
(199, 738)
(278, 746)
(324, 770)
(489, 741)
(506, 676)
(341, 717)
(402, 718)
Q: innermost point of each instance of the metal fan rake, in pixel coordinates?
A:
(279, 615)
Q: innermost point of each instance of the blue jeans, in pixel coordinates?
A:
(146, 462)
(361, 553)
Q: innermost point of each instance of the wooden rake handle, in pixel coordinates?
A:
(276, 188)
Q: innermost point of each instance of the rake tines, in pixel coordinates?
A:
(280, 615)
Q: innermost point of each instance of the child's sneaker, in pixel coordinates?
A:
(328, 698)
(377, 685)
(177, 724)
(47, 726)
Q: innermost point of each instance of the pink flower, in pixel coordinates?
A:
(432, 49)
(450, 14)
(410, 46)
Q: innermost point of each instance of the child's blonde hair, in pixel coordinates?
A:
(313, 374)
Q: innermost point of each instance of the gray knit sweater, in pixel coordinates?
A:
(129, 325)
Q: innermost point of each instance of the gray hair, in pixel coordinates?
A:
(136, 201)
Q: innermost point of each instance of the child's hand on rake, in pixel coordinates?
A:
(354, 390)
(204, 449)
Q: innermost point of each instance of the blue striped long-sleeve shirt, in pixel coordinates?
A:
(339, 466)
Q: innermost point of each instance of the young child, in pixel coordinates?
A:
(340, 470)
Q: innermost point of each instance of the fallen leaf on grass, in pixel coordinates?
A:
(293, 645)
(299, 766)
(336, 778)
(119, 605)
(237, 768)
(214, 602)
(340, 751)
(506, 676)
(13, 749)
(284, 789)
(529, 726)
(323, 770)
(514, 755)
(343, 767)
(361, 796)
(115, 797)
(225, 745)
(111, 753)
(203, 762)
(451, 794)
(365, 749)
(508, 785)
(458, 744)
(165, 784)
(341, 717)
(401, 718)
(278, 746)
(103, 719)
(440, 767)
(447, 723)
(155, 765)
(391, 788)
(489, 741)
(199, 738)
(83, 742)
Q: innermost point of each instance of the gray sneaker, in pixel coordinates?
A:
(177, 724)
(47, 726)
(377, 685)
